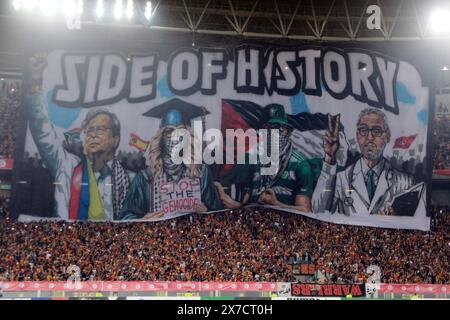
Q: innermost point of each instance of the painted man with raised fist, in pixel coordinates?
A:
(89, 186)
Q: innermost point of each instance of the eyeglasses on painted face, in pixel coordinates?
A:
(93, 131)
(376, 131)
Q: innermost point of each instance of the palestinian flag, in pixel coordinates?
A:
(306, 137)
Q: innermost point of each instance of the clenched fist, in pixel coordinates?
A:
(37, 65)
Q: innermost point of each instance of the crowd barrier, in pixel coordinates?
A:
(149, 289)
(131, 286)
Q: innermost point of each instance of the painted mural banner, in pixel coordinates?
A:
(332, 133)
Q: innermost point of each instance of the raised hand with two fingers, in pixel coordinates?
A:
(331, 139)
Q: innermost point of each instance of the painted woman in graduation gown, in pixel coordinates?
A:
(145, 195)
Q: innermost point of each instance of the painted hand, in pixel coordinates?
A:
(200, 208)
(269, 197)
(154, 215)
(37, 65)
(226, 200)
(331, 139)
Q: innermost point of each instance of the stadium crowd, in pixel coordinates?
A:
(442, 143)
(442, 138)
(10, 101)
(250, 244)
(4, 206)
(132, 161)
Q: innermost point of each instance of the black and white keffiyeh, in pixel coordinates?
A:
(175, 171)
(285, 150)
(120, 186)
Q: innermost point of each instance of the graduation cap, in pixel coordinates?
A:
(176, 112)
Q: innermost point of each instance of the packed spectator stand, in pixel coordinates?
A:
(442, 142)
(242, 245)
(10, 102)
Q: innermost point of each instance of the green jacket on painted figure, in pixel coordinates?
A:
(296, 179)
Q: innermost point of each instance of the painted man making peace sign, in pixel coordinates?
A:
(363, 187)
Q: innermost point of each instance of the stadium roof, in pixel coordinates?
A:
(196, 20)
(295, 19)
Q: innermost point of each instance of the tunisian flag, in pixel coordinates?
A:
(404, 142)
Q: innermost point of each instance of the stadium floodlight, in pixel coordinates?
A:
(80, 7)
(69, 7)
(48, 7)
(17, 4)
(148, 10)
(73, 9)
(100, 9)
(118, 9)
(28, 4)
(444, 68)
(130, 9)
(440, 22)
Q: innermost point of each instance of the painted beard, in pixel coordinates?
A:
(371, 152)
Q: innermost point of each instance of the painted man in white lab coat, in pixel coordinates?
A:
(365, 187)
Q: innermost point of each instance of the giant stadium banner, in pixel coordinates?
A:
(335, 133)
